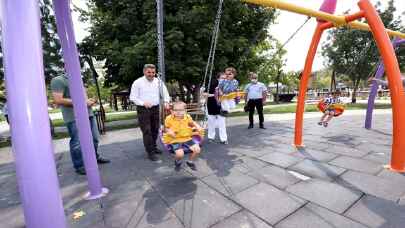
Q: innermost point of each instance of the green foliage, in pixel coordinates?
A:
(53, 64)
(353, 52)
(123, 33)
(105, 92)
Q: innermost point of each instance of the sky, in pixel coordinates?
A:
(287, 23)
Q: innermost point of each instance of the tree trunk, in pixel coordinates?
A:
(181, 92)
(276, 97)
(196, 94)
(356, 87)
(333, 81)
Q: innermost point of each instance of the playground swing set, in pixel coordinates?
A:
(35, 164)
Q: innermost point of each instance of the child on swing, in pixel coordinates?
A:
(330, 110)
(226, 87)
(179, 131)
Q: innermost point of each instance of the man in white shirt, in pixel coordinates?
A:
(145, 93)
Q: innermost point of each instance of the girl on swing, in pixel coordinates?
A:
(179, 131)
(330, 110)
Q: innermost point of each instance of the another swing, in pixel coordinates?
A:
(166, 141)
(338, 108)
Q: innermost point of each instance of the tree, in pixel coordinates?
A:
(53, 64)
(123, 34)
(353, 52)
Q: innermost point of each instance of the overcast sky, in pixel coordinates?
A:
(287, 23)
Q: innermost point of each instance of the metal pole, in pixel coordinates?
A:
(28, 112)
(72, 66)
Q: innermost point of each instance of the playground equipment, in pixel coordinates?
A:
(339, 108)
(31, 140)
(327, 20)
(374, 86)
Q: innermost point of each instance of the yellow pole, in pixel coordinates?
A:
(337, 20)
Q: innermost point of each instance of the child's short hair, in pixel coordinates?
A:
(179, 103)
(252, 74)
(231, 69)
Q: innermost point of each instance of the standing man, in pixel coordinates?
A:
(61, 97)
(145, 93)
(256, 94)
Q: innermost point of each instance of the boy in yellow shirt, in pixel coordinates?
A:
(179, 131)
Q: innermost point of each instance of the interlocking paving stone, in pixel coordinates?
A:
(243, 219)
(231, 184)
(313, 216)
(373, 185)
(344, 150)
(317, 169)
(357, 164)
(312, 154)
(376, 212)
(274, 176)
(380, 158)
(194, 203)
(397, 177)
(279, 159)
(268, 202)
(330, 195)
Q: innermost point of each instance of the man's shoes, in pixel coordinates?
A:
(191, 165)
(154, 158)
(262, 127)
(81, 171)
(157, 151)
(224, 142)
(177, 165)
(224, 113)
(250, 126)
(101, 160)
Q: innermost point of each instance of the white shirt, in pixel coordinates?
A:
(143, 91)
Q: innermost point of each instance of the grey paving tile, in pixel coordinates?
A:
(329, 195)
(268, 202)
(357, 164)
(313, 216)
(348, 151)
(193, 202)
(376, 212)
(313, 154)
(318, 169)
(276, 176)
(373, 185)
(280, 159)
(231, 184)
(242, 219)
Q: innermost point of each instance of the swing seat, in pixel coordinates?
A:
(338, 108)
(166, 141)
(234, 95)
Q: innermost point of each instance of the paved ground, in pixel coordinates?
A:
(257, 181)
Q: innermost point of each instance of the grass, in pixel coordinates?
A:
(270, 108)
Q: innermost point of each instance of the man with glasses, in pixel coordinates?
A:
(145, 93)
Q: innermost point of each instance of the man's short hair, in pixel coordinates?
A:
(149, 66)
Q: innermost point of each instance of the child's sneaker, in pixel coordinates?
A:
(191, 165)
(320, 123)
(211, 140)
(325, 124)
(177, 165)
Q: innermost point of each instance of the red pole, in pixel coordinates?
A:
(394, 82)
